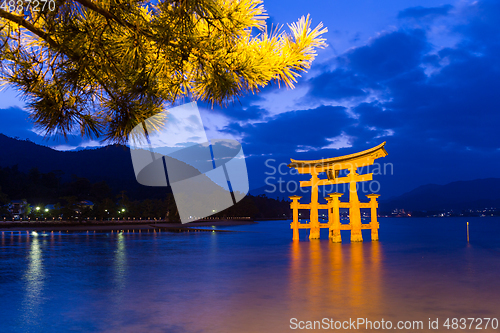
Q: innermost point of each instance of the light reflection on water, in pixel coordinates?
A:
(120, 262)
(34, 280)
(324, 275)
(247, 281)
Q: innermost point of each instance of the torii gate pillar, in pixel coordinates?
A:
(334, 217)
(295, 211)
(354, 209)
(314, 234)
(373, 210)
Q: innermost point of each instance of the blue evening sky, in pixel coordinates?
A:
(422, 75)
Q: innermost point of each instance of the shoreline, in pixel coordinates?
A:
(116, 225)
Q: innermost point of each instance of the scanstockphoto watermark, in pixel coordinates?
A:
(278, 179)
(363, 324)
(356, 324)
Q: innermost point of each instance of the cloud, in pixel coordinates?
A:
(338, 84)
(289, 130)
(390, 55)
(240, 112)
(83, 145)
(448, 105)
(481, 30)
(420, 12)
(14, 122)
(363, 70)
(436, 106)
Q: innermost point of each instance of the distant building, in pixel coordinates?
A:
(18, 209)
(400, 213)
(83, 206)
(86, 204)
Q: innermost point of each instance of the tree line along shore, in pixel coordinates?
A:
(35, 196)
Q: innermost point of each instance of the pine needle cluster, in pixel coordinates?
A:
(102, 67)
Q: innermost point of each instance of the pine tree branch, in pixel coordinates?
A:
(110, 16)
(25, 24)
(22, 22)
(120, 63)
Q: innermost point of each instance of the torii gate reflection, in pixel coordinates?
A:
(332, 167)
(341, 280)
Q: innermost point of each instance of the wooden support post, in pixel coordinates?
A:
(373, 209)
(329, 204)
(294, 205)
(354, 210)
(314, 221)
(335, 222)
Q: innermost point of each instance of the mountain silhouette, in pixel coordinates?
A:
(459, 195)
(111, 164)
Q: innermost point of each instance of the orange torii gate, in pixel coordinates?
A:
(332, 167)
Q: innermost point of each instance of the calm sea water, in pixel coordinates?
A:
(255, 280)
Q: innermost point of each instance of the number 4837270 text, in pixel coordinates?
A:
(19, 6)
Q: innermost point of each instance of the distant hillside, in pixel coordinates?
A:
(79, 173)
(111, 164)
(473, 194)
(274, 193)
(457, 196)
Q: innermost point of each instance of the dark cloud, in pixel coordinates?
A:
(482, 30)
(420, 12)
(287, 131)
(240, 112)
(454, 106)
(437, 109)
(458, 105)
(367, 67)
(243, 108)
(14, 122)
(337, 85)
(374, 115)
(389, 55)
